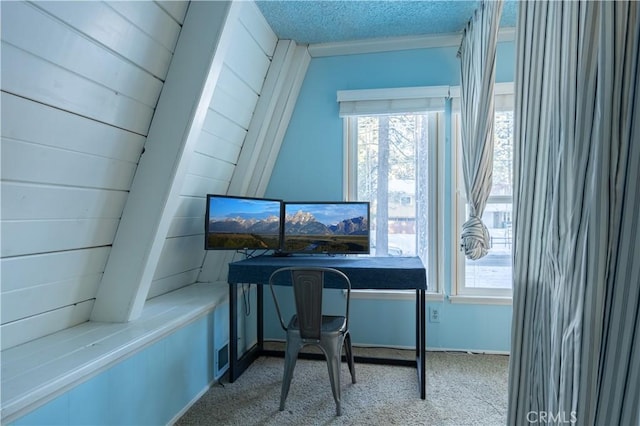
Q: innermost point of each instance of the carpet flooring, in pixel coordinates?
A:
(462, 389)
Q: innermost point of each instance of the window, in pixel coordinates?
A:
(492, 274)
(391, 160)
(395, 148)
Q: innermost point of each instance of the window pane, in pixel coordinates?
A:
(392, 175)
(503, 154)
(495, 269)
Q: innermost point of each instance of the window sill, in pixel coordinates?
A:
(481, 300)
(394, 295)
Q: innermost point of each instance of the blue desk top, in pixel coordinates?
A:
(375, 273)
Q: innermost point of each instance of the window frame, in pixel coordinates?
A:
(504, 101)
(410, 101)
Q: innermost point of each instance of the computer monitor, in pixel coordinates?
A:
(326, 227)
(242, 223)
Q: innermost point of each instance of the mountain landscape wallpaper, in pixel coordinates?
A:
(237, 224)
(326, 228)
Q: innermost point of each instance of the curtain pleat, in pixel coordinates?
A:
(576, 323)
(619, 349)
(477, 76)
(531, 160)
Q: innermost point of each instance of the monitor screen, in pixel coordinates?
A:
(242, 223)
(326, 227)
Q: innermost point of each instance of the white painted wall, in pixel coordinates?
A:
(80, 84)
(218, 148)
(80, 81)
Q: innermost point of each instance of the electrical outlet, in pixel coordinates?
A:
(434, 314)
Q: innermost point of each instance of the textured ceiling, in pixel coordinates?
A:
(309, 22)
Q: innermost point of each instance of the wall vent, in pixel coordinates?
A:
(222, 363)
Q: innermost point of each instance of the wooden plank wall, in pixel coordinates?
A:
(80, 82)
(218, 148)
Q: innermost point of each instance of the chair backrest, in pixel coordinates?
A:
(308, 284)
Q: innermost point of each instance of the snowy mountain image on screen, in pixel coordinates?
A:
(269, 225)
(304, 223)
(238, 232)
(325, 228)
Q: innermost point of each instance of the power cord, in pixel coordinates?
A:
(246, 293)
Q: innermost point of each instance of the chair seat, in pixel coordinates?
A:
(329, 324)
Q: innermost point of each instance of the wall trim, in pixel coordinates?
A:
(357, 47)
(487, 299)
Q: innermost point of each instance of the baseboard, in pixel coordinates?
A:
(469, 351)
(412, 348)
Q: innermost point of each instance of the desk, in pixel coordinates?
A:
(371, 273)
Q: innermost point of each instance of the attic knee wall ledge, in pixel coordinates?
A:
(39, 371)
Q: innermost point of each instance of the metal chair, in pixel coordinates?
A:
(308, 326)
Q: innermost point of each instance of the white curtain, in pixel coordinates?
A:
(477, 75)
(575, 350)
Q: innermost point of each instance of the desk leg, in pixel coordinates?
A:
(260, 319)
(233, 332)
(421, 341)
(237, 366)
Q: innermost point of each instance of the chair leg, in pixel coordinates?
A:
(334, 360)
(290, 358)
(349, 354)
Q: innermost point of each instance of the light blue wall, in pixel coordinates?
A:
(309, 167)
